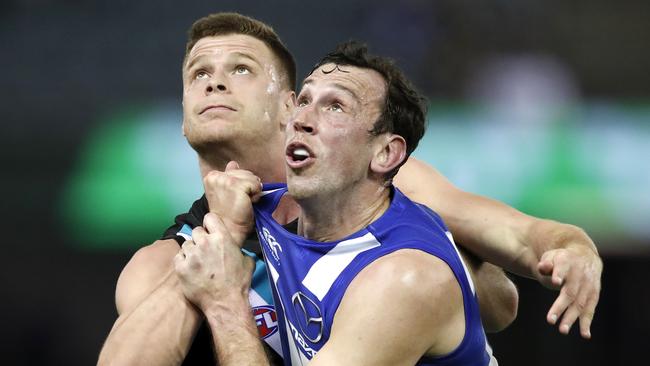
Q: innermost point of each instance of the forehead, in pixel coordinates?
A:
(364, 83)
(231, 44)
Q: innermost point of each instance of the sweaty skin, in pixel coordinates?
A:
(156, 323)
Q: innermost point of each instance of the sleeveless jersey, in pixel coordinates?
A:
(260, 296)
(310, 278)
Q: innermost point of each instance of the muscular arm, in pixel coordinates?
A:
(216, 277)
(556, 254)
(497, 295)
(156, 324)
(413, 306)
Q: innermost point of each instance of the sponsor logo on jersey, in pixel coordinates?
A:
(308, 316)
(266, 320)
(273, 244)
(310, 352)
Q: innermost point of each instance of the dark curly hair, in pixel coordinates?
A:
(404, 111)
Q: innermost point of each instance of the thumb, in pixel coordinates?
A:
(232, 165)
(546, 263)
(545, 268)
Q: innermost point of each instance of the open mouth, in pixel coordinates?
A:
(299, 155)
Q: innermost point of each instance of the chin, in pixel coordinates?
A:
(301, 188)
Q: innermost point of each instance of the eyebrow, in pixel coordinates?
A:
(234, 54)
(338, 86)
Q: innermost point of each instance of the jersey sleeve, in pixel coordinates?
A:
(191, 218)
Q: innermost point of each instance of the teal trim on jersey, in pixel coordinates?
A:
(260, 282)
(186, 229)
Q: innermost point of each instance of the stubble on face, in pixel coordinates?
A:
(342, 142)
(254, 95)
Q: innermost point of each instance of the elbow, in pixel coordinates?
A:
(510, 308)
(504, 312)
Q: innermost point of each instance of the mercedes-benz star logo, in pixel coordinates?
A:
(311, 320)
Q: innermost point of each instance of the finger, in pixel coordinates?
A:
(199, 235)
(247, 182)
(570, 316)
(214, 224)
(561, 267)
(587, 316)
(545, 268)
(558, 307)
(185, 248)
(255, 189)
(576, 308)
(179, 262)
(566, 297)
(545, 265)
(187, 244)
(232, 165)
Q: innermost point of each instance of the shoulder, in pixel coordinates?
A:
(408, 272)
(146, 268)
(412, 302)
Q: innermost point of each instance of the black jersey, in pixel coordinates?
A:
(201, 352)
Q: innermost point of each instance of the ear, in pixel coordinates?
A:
(288, 100)
(389, 154)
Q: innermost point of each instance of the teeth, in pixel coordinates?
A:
(301, 152)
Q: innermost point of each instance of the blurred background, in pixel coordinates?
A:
(544, 105)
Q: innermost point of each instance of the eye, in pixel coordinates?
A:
(200, 75)
(242, 70)
(302, 102)
(335, 107)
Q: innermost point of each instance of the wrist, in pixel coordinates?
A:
(227, 306)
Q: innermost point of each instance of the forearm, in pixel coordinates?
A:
(488, 228)
(158, 331)
(235, 336)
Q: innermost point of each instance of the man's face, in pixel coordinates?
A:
(232, 91)
(328, 146)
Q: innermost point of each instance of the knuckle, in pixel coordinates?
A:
(570, 292)
(212, 177)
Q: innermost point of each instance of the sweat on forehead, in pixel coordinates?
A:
(229, 45)
(361, 81)
(234, 46)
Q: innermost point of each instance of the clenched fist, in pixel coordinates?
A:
(211, 267)
(230, 195)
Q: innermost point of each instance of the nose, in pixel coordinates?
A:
(303, 121)
(217, 84)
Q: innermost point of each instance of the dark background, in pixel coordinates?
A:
(65, 62)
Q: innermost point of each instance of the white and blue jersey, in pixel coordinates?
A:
(310, 278)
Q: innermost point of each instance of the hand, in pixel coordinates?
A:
(211, 267)
(230, 195)
(576, 271)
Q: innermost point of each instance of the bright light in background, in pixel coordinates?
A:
(135, 173)
(588, 164)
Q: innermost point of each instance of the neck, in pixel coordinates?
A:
(333, 216)
(267, 161)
